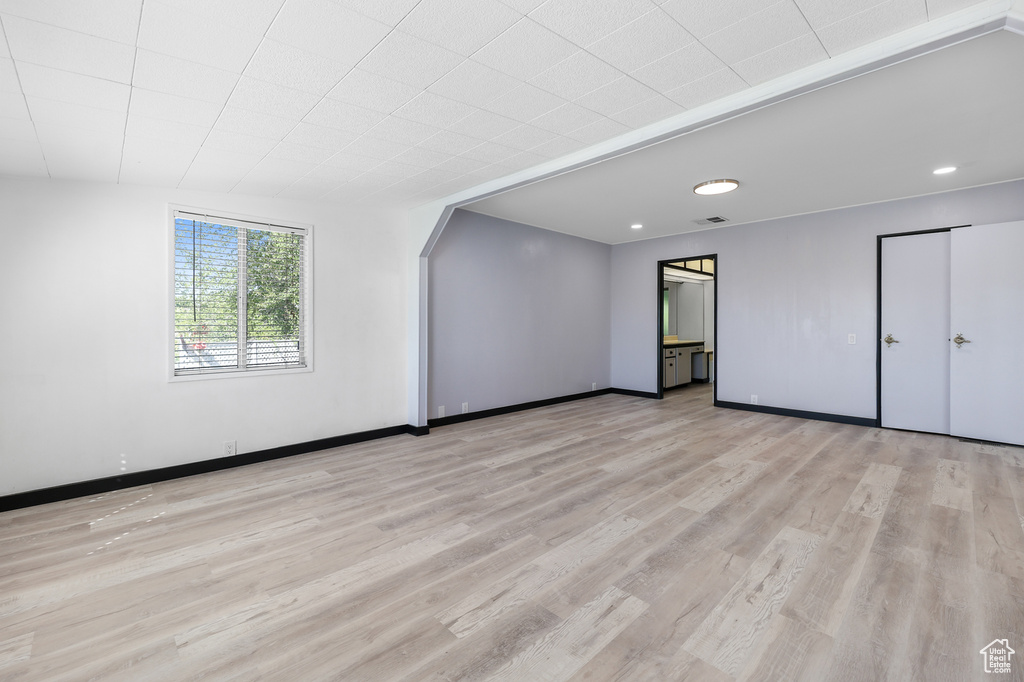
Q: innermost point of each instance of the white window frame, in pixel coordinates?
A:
(239, 220)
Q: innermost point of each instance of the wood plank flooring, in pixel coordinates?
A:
(612, 538)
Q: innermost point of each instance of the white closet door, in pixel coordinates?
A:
(915, 311)
(987, 374)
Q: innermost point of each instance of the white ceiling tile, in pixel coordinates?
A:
(576, 75)
(311, 135)
(616, 96)
(64, 86)
(13, 106)
(334, 174)
(642, 41)
(60, 48)
(418, 156)
(116, 20)
(434, 110)
(565, 118)
(410, 60)
(760, 32)
(449, 142)
(372, 91)
(462, 26)
(254, 123)
(719, 84)
(522, 160)
(490, 152)
(160, 105)
(163, 73)
(558, 147)
(390, 12)
(146, 161)
(253, 16)
(939, 8)
(71, 155)
(168, 132)
(703, 17)
(22, 157)
(602, 130)
(690, 63)
(20, 129)
(473, 83)
(523, 6)
(525, 50)
(163, 28)
(9, 77)
(282, 166)
(395, 170)
(462, 164)
(373, 148)
(261, 186)
(240, 143)
(649, 111)
(349, 161)
(525, 103)
(76, 116)
(289, 151)
(871, 24)
(327, 29)
(786, 58)
(483, 125)
(525, 137)
(824, 12)
(218, 170)
(294, 68)
(402, 131)
(584, 21)
(307, 189)
(335, 114)
(271, 98)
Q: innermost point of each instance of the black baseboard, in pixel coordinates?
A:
(635, 394)
(508, 409)
(106, 485)
(802, 414)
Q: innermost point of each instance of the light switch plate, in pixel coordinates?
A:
(851, 339)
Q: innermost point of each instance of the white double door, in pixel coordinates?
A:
(965, 285)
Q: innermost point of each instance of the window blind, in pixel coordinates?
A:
(239, 295)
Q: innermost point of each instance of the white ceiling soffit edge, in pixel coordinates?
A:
(934, 35)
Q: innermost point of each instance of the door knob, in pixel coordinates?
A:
(959, 340)
(889, 340)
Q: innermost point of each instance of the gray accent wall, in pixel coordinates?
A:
(516, 314)
(790, 291)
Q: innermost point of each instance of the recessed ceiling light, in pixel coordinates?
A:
(944, 170)
(715, 187)
(636, 226)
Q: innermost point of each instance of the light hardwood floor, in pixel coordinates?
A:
(612, 538)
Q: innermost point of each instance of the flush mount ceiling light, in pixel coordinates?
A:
(636, 226)
(944, 170)
(715, 187)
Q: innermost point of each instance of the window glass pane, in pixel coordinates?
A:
(205, 295)
(273, 298)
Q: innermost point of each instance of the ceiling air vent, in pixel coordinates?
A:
(712, 220)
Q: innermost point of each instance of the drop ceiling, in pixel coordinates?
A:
(868, 139)
(394, 103)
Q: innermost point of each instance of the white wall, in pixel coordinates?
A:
(789, 293)
(85, 338)
(517, 314)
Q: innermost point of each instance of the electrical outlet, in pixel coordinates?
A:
(230, 448)
(465, 408)
(593, 386)
(753, 399)
(440, 411)
(851, 339)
